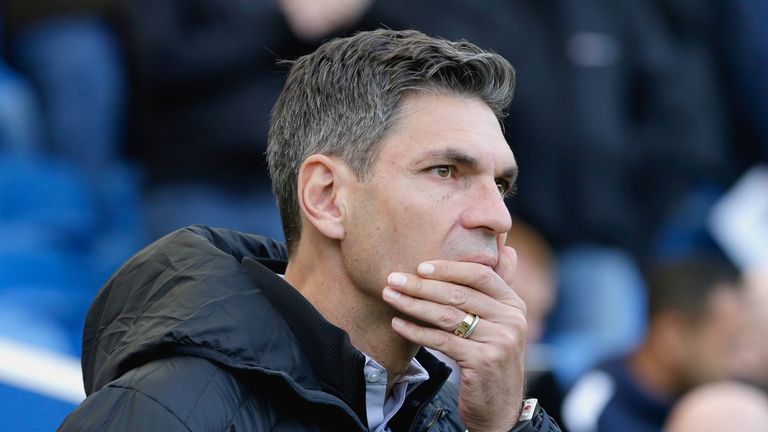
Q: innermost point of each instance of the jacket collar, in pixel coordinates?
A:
(326, 346)
(337, 364)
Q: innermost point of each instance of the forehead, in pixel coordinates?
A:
(431, 123)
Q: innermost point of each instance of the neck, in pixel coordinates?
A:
(319, 275)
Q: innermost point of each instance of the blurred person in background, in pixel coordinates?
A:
(740, 405)
(614, 133)
(721, 406)
(751, 361)
(614, 128)
(19, 115)
(696, 309)
(535, 274)
(535, 283)
(70, 205)
(68, 202)
(204, 79)
(745, 58)
(70, 52)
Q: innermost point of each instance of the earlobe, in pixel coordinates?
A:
(320, 193)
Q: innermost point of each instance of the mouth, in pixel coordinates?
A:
(486, 260)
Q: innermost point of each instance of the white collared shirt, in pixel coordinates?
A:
(378, 407)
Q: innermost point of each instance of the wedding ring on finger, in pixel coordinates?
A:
(467, 326)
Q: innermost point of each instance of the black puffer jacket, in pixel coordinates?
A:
(198, 333)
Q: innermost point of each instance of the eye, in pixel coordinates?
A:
(502, 185)
(505, 188)
(444, 171)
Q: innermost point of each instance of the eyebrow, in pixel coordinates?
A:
(461, 158)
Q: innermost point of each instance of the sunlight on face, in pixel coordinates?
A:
(436, 191)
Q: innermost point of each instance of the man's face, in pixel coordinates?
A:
(712, 340)
(434, 192)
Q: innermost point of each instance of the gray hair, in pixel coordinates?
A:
(344, 97)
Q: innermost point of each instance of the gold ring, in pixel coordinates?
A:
(467, 326)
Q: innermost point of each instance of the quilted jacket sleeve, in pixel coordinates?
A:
(118, 409)
(544, 423)
(176, 394)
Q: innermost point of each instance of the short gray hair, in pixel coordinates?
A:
(344, 97)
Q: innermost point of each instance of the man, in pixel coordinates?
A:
(714, 407)
(390, 169)
(695, 309)
(751, 355)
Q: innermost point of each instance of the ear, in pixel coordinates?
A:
(321, 193)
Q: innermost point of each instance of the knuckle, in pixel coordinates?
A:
(497, 356)
(484, 276)
(515, 330)
(442, 339)
(418, 287)
(516, 319)
(522, 306)
(442, 271)
(518, 331)
(511, 339)
(408, 302)
(450, 317)
(458, 295)
(491, 358)
(519, 322)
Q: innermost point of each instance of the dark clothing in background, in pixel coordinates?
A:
(198, 332)
(609, 131)
(18, 14)
(742, 39)
(612, 400)
(610, 124)
(205, 78)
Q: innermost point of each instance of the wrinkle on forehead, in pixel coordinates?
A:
(443, 122)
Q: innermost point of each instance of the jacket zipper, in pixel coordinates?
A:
(437, 415)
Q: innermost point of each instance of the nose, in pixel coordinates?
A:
(486, 209)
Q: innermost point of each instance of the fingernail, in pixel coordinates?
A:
(426, 268)
(397, 322)
(391, 294)
(397, 279)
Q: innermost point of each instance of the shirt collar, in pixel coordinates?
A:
(381, 406)
(414, 373)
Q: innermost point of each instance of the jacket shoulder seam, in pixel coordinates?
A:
(240, 408)
(170, 411)
(217, 370)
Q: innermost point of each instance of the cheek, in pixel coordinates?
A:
(380, 238)
(713, 352)
(401, 224)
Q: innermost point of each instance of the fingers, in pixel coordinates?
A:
(450, 290)
(444, 305)
(436, 339)
(433, 303)
(450, 300)
(495, 283)
(441, 316)
(494, 340)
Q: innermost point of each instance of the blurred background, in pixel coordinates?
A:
(640, 127)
